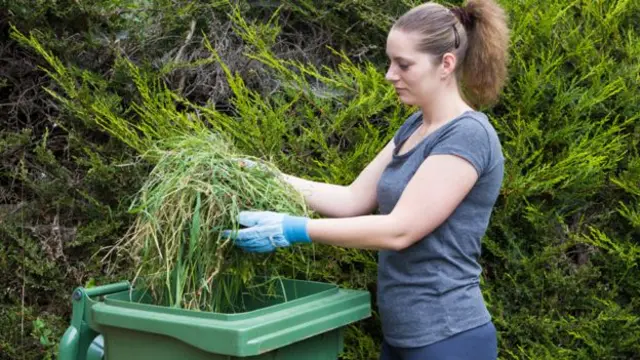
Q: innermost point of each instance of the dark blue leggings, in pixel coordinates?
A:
(479, 343)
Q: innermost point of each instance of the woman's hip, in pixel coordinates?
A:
(479, 343)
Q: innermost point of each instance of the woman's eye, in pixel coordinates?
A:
(401, 66)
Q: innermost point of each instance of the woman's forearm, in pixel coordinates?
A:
(373, 232)
(357, 199)
(328, 200)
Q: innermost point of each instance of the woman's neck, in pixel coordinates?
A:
(443, 109)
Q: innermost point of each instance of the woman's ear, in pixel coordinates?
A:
(448, 65)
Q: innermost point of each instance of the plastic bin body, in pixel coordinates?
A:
(308, 325)
(143, 346)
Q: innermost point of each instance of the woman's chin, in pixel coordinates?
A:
(406, 99)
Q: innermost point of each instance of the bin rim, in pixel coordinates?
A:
(113, 300)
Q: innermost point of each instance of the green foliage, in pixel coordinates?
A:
(561, 255)
(561, 247)
(358, 27)
(30, 335)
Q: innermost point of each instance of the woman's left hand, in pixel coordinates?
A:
(266, 230)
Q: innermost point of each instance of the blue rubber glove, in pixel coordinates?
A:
(267, 230)
(252, 164)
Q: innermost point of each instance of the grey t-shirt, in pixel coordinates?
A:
(430, 290)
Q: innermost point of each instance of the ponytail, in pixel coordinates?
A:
(484, 68)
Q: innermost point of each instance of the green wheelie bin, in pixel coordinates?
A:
(118, 322)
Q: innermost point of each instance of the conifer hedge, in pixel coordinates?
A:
(302, 84)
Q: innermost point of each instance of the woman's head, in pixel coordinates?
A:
(432, 47)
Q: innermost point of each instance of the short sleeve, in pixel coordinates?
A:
(469, 139)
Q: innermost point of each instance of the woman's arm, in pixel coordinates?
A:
(337, 201)
(434, 192)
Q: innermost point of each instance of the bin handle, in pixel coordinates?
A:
(78, 331)
(104, 289)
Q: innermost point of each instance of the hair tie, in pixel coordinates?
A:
(463, 15)
(457, 36)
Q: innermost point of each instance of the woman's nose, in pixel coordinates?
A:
(391, 75)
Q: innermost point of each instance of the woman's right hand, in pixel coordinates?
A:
(253, 164)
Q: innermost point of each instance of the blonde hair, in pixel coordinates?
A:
(478, 35)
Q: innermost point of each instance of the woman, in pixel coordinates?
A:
(435, 185)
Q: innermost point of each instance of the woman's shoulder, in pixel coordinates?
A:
(475, 123)
(473, 137)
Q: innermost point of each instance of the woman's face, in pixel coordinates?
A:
(413, 73)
